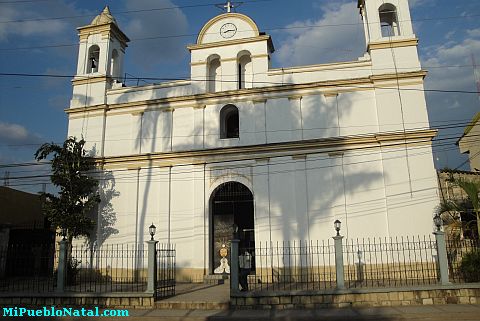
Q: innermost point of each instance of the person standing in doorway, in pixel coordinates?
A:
(245, 264)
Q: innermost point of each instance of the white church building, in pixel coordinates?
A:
(280, 152)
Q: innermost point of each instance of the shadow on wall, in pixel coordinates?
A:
(104, 216)
(155, 134)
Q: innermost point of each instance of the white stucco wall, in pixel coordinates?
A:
(376, 189)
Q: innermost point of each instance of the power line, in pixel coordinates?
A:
(195, 35)
(121, 12)
(281, 156)
(256, 82)
(452, 125)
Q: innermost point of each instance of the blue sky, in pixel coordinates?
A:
(40, 37)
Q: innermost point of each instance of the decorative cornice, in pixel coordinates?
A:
(394, 76)
(85, 80)
(109, 28)
(228, 42)
(342, 85)
(321, 67)
(260, 152)
(330, 94)
(294, 97)
(393, 43)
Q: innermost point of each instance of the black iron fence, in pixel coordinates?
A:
(110, 268)
(165, 277)
(106, 269)
(463, 260)
(28, 268)
(390, 262)
(291, 266)
(366, 263)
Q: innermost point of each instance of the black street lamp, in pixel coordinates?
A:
(337, 224)
(437, 220)
(152, 230)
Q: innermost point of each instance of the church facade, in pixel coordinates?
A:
(277, 153)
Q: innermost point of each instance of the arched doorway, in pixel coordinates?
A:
(231, 204)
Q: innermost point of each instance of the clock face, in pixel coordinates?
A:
(228, 30)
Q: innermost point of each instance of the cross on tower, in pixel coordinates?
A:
(229, 6)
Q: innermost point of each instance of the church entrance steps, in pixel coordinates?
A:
(198, 296)
(215, 279)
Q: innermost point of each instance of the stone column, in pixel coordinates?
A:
(442, 257)
(62, 266)
(152, 266)
(234, 267)
(339, 262)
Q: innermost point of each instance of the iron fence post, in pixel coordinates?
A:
(442, 256)
(234, 265)
(152, 266)
(339, 262)
(62, 265)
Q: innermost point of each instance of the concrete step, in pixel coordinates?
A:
(191, 305)
(215, 279)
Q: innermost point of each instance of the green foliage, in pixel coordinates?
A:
(72, 270)
(72, 173)
(470, 266)
(471, 203)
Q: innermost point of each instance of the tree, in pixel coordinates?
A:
(72, 174)
(464, 205)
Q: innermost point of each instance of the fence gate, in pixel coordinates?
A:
(165, 271)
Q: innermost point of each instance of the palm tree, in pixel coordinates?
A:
(453, 207)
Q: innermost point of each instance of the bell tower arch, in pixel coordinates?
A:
(390, 40)
(100, 60)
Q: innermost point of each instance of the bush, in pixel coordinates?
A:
(72, 270)
(470, 266)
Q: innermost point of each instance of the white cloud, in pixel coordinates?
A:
(32, 19)
(417, 3)
(454, 58)
(474, 33)
(15, 134)
(450, 69)
(337, 36)
(155, 24)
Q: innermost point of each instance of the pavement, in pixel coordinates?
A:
(405, 313)
(434, 313)
(199, 302)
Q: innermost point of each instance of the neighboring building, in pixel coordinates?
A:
(279, 152)
(457, 225)
(23, 228)
(20, 209)
(21, 218)
(469, 144)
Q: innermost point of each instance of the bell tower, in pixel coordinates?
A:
(100, 60)
(389, 35)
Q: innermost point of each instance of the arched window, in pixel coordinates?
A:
(214, 74)
(93, 59)
(245, 72)
(229, 122)
(388, 20)
(114, 64)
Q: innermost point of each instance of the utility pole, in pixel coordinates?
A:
(6, 178)
(476, 74)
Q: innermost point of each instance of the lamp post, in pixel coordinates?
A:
(337, 224)
(339, 255)
(152, 229)
(152, 260)
(437, 220)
